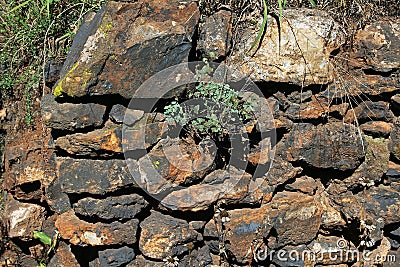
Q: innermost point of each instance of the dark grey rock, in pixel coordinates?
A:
(197, 258)
(95, 176)
(117, 113)
(113, 257)
(381, 202)
(216, 34)
(299, 97)
(333, 145)
(396, 232)
(117, 208)
(120, 114)
(67, 116)
(56, 198)
(63, 256)
(141, 261)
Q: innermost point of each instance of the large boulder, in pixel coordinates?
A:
(296, 50)
(125, 44)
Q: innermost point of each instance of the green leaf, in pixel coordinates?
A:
(312, 2)
(263, 25)
(45, 239)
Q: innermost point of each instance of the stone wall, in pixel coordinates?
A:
(333, 155)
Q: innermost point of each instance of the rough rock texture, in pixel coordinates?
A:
(27, 172)
(163, 235)
(113, 138)
(174, 162)
(216, 34)
(286, 54)
(333, 145)
(113, 257)
(56, 198)
(221, 185)
(395, 139)
(67, 116)
(117, 208)
(263, 187)
(79, 232)
(375, 165)
(378, 46)
(294, 217)
(382, 202)
(124, 189)
(63, 257)
(23, 218)
(125, 44)
(376, 128)
(140, 261)
(368, 110)
(316, 108)
(120, 114)
(94, 176)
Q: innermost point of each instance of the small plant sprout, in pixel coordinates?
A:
(48, 241)
(171, 261)
(366, 182)
(223, 214)
(367, 227)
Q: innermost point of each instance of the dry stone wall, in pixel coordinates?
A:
(333, 181)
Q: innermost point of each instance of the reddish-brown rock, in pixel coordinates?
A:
(376, 128)
(82, 233)
(163, 235)
(377, 46)
(368, 111)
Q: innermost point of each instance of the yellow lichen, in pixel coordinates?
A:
(58, 90)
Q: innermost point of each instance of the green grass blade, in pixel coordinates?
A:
(312, 2)
(284, 3)
(20, 6)
(263, 25)
(280, 9)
